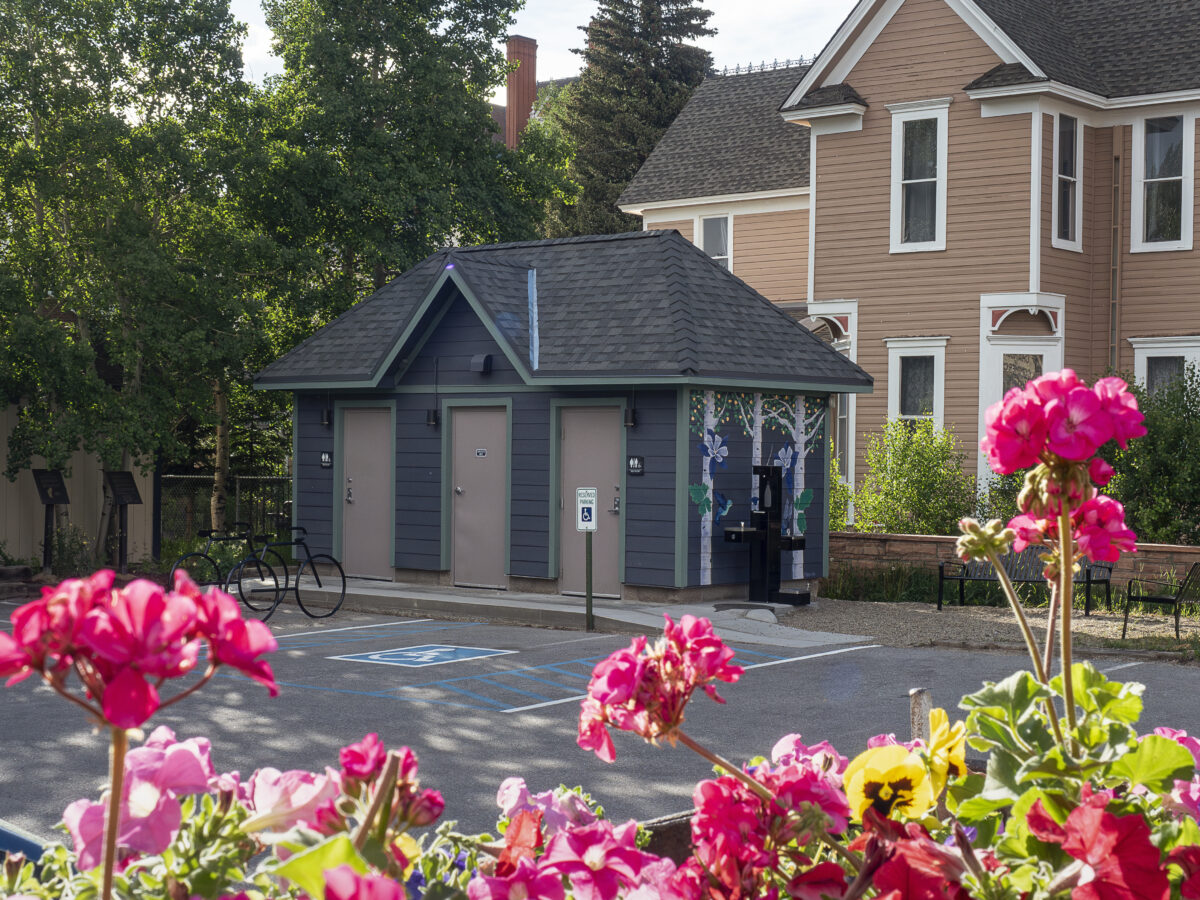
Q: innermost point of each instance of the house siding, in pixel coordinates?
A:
(649, 505)
(1159, 289)
(770, 253)
(924, 52)
(686, 227)
(314, 485)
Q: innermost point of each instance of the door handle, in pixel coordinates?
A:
(458, 490)
(349, 495)
(616, 507)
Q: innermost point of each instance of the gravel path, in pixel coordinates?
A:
(922, 625)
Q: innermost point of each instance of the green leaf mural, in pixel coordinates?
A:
(699, 495)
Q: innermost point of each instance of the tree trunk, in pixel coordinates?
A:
(106, 509)
(220, 491)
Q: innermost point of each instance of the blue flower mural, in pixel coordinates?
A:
(714, 450)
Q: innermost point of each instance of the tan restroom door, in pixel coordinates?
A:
(367, 498)
(590, 451)
(479, 496)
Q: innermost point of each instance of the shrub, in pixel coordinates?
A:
(915, 481)
(840, 495)
(998, 497)
(1158, 477)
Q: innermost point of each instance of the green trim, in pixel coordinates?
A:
(648, 382)
(557, 501)
(825, 512)
(296, 459)
(420, 344)
(501, 340)
(682, 439)
(446, 561)
(339, 455)
(413, 322)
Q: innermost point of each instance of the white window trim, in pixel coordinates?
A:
(1187, 346)
(898, 348)
(908, 112)
(830, 309)
(1137, 211)
(1055, 240)
(698, 230)
(992, 348)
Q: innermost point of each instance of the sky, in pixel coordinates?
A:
(748, 31)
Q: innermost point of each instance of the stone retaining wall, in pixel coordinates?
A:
(879, 551)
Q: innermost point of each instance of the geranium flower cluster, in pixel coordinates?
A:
(124, 644)
(645, 688)
(1057, 424)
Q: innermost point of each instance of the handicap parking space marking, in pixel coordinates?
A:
(317, 642)
(497, 690)
(423, 655)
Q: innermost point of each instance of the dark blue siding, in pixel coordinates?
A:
(529, 544)
(314, 485)
(459, 336)
(418, 485)
(649, 509)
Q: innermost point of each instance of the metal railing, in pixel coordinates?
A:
(265, 501)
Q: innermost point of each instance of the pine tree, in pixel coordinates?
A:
(640, 71)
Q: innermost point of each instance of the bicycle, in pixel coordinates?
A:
(254, 576)
(200, 565)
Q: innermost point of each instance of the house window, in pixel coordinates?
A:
(1018, 369)
(715, 239)
(1159, 361)
(916, 378)
(1164, 148)
(919, 151)
(1162, 370)
(1068, 194)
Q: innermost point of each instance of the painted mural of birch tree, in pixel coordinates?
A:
(801, 418)
(708, 411)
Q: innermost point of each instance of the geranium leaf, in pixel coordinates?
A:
(1097, 694)
(1001, 781)
(307, 868)
(1156, 763)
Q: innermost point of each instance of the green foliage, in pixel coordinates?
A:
(1158, 476)
(699, 495)
(998, 499)
(72, 552)
(840, 495)
(640, 69)
(915, 482)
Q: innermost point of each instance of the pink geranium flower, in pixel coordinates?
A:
(363, 760)
(644, 689)
(1100, 530)
(1122, 409)
(1076, 425)
(1014, 431)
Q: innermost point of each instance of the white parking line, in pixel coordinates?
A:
(312, 631)
(1122, 666)
(774, 662)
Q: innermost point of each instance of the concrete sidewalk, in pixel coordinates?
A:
(747, 623)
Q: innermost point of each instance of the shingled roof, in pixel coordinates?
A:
(728, 139)
(639, 306)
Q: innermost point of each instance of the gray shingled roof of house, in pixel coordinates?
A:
(1004, 75)
(829, 95)
(631, 306)
(728, 139)
(1115, 48)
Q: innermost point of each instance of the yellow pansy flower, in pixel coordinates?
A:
(947, 749)
(891, 780)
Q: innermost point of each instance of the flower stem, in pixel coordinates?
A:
(760, 789)
(1066, 574)
(208, 674)
(383, 790)
(120, 744)
(1039, 670)
(851, 859)
(1051, 621)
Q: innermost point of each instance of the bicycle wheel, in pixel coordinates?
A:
(328, 587)
(279, 565)
(255, 584)
(200, 567)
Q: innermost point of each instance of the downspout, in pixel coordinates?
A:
(533, 320)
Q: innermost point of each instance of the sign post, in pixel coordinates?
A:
(52, 490)
(585, 521)
(125, 492)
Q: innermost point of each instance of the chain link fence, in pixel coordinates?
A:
(265, 501)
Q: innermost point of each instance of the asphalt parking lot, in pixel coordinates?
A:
(479, 702)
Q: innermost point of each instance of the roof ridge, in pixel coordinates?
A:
(550, 242)
(687, 354)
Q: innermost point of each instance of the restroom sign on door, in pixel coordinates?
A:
(585, 509)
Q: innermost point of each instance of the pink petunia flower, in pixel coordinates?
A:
(343, 883)
(526, 882)
(279, 800)
(820, 757)
(559, 808)
(598, 859)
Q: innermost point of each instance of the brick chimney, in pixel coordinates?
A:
(521, 88)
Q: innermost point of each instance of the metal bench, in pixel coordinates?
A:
(1023, 568)
(1188, 591)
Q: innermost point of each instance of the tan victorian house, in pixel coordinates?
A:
(960, 194)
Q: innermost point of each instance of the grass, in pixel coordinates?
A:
(1188, 647)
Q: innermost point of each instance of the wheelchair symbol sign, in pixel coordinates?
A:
(585, 505)
(424, 655)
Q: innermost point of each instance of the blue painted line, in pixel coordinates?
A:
(446, 681)
(542, 680)
(382, 696)
(587, 677)
(515, 690)
(491, 704)
(375, 637)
